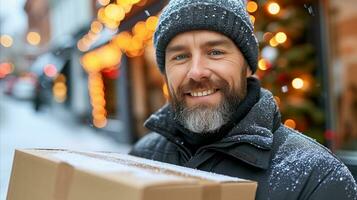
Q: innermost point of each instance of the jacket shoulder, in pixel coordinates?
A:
(305, 161)
(151, 146)
(293, 146)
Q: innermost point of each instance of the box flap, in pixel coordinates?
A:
(173, 169)
(112, 169)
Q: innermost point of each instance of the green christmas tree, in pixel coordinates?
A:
(288, 62)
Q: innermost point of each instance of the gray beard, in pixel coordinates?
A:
(204, 119)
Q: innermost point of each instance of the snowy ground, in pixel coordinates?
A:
(22, 127)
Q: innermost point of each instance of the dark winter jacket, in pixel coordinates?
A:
(286, 164)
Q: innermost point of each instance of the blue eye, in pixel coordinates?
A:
(180, 57)
(215, 53)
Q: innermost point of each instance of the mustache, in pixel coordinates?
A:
(205, 83)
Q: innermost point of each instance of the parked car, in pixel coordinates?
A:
(21, 87)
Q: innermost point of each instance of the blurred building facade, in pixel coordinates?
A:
(81, 68)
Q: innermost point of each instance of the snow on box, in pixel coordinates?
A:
(68, 175)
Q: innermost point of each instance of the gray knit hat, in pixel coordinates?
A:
(228, 17)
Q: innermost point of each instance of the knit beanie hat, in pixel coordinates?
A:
(228, 17)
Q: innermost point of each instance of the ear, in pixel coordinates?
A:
(249, 72)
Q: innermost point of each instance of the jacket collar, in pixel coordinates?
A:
(250, 140)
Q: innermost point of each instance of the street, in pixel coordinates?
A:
(22, 127)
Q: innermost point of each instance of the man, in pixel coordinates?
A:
(220, 120)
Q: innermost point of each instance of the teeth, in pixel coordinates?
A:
(203, 93)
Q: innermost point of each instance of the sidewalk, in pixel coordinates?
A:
(22, 127)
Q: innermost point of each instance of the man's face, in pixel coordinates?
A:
(206, 74)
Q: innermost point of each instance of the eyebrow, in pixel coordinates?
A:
(219, 42)
(175, 48)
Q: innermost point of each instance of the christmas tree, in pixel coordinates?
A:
(288, 62)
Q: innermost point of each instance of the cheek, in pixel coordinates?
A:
(175, 78)
(230, 71)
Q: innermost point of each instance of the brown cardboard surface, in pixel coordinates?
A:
(68, 175)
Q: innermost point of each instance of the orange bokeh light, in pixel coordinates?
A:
(114, 12)
(91, 62)
(252, 6)
(140, 30)
(96, 27)
(6, 41)
(290, 123)
(151, 23)
(123, 40)
(281, 37)
(100, 122)
(33, 38)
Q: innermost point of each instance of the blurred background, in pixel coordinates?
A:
(82, 74)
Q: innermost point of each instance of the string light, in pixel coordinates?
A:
(59, 89)
(100, 122)
(101, 15)
(96, 27)
(96, 92)
(59, 92)
(6, 41)
(281, 37)
(252, 6)
(33, 38)
(113, 25)
(90, 62)
(109, 56)
(290, 123)
(297, 83)
(125, 4)
(273, 42)
(273, 8)
(263, 64)
(140, 30)
(92, 36)
(122, 40)
(114, 12)
(81, 46)
(252, 19)
(151, 23)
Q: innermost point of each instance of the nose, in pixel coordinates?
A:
(198, 69)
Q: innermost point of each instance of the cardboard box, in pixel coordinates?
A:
(70, 175)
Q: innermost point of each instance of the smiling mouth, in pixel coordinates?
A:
(202, 93)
